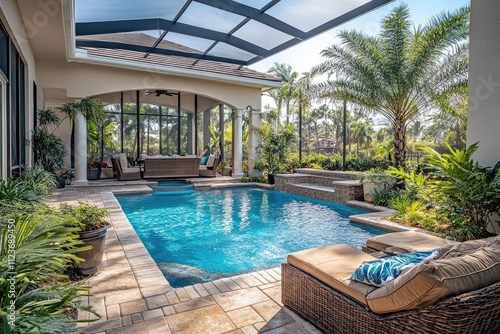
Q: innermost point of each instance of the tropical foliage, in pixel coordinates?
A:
(274, 148)
(48, 148)
(455, 196)
(37, 246)
(402, 72)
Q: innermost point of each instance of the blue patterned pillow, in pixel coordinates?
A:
(382, 271)
(204, 160)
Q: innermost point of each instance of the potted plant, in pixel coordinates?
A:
(48, 148)
(94, 169)
(92, 222)
(93, 111)
(224, 168)
(62, 176)
(274, 148)
(375, 180)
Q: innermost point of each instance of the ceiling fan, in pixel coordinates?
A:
(159, 92)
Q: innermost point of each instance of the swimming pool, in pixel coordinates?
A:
(201, 236)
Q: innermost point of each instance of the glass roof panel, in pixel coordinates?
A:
(113, 10)
(196, 43)
(208, 17)
(254, 3)
(261, 35)
(307, 15)
(229, 51)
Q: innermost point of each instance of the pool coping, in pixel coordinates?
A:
(150, 296)
(133, 245)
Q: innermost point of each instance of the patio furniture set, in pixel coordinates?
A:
(456, 292)
(156, 167)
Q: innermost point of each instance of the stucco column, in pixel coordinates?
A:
(80, 150)
(238, 145)
(255, 139)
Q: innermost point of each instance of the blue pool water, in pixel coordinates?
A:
(201, 236)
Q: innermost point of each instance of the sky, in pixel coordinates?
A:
(304, 56)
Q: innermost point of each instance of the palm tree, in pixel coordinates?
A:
(287, 94)
(403, 71)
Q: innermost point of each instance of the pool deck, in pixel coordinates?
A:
(132, 295)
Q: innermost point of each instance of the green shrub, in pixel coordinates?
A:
(44, 248)
(38, 180)
(87, 217)
(469, 193)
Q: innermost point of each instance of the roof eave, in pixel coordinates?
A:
(81, 56)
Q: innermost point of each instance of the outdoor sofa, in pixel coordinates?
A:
(171, 167)
(458, 292)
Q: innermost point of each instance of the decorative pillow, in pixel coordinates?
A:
(211, 160)
(382, 271)
(204, 160)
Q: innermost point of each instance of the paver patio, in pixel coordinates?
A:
(132, 295)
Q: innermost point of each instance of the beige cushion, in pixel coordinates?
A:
(408, 241)
(211, 160)
(431, 281)
(202, 167)
(334, 265)
(131, 170)
(122, 158)
(462, 248)
(467, 247)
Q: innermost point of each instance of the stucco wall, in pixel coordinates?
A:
(82, 80)
(483, 124)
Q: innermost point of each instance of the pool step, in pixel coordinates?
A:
(323, 187)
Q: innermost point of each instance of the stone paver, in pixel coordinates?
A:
(132, 295)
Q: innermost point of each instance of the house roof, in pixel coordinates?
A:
(239, 32)
(123, 40)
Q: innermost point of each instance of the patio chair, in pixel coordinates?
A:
(210, 169)
(126, 174)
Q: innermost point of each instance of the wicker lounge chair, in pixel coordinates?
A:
(126, 174)
(316, 284)
(332, 312)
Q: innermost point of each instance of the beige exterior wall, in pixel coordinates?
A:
(483, 123)
(83, 80)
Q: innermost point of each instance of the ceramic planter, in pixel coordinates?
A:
(93, 173)
(93, 256)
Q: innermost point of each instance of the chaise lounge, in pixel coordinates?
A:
(458, 292)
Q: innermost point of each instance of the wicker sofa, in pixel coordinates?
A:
(316, 284)
(171, 167)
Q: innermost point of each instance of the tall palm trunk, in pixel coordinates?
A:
(400, 143)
